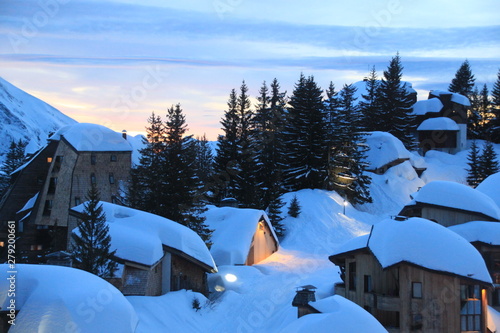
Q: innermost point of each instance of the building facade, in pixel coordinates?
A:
(57, 178)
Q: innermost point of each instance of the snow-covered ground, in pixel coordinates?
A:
(259, 298)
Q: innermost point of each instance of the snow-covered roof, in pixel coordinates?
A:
(457, 98)
(55, 299)
(384, 148)
(491, 187)
(92, 137)
(428, 105)
(479, 231)
(426, 244)
(458, 196)
(337, 315)
(139, 236)
(29, 204)
(438, 124)
(234, 229)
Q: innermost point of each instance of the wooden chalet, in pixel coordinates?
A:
(155, 255)
(415, 276)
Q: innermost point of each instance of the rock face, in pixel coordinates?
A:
(23, 116)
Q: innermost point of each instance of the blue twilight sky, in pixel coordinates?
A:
(113, 62)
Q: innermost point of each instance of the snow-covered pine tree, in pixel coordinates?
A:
(294, 207)
(493, 126)
(275, 216)
(246, 191)
(347, 163)
(92, 242)
(204, 160)
(474, 115)
(268, 123)
(226, 159)
(145, 190)
(184, 189)
(369, 106)
(488, 161)
(13, 160)
(463, 82)
(396, 103)
(473, 173)
(306, 137)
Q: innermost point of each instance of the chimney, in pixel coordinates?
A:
(124, 134)
(305, 294)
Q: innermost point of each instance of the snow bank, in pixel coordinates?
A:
(438, 124)
(63, 299)
(337, 315)
(421, 108)
(92, 137)
(29, 204)
(458, 196)
(479, 231)
(233, 232)
(384, 148)
(491, 187)
(139, 236)
(322, 225)
(457, 98)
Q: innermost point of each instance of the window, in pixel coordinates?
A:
(114, 199)
(39, 180)
(93, 159)
(47, 209)
(37, 247)
(2, 244)
(111, 178)
(52, 185)
(112, 158)
(368, 284)
(59, 159)
(78, 201)
(352, 276)
(49, 159)
(470, 312)
(416, 289)
(92, 178)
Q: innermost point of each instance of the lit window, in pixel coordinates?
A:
(37, 247)
(416, 289)
(2, 244)
(49, 159)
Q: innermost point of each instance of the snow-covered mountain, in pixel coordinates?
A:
(23, 116)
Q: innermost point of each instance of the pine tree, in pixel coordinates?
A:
(294, 208)
(145, 190)
(226, 159)
(204, 160)
(473, 173)
(369, 105)
(474, 115)
(396, 103)
(274, 213)
(493, 126)
(488, 161)
(347, 163)
(463, 82)
(306, 137)
(268, 123)
(92, 242)
(13, 160)
(246, 180)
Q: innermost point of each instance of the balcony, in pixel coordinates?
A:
(387, 303)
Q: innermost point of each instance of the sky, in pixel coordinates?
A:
(113, 62)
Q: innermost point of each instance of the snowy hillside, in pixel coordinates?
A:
(23, 116)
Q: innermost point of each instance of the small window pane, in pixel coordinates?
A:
(417, 290)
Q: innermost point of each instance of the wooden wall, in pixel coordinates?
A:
(263, 244)
(186, 275)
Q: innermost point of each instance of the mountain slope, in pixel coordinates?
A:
(23, 116)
